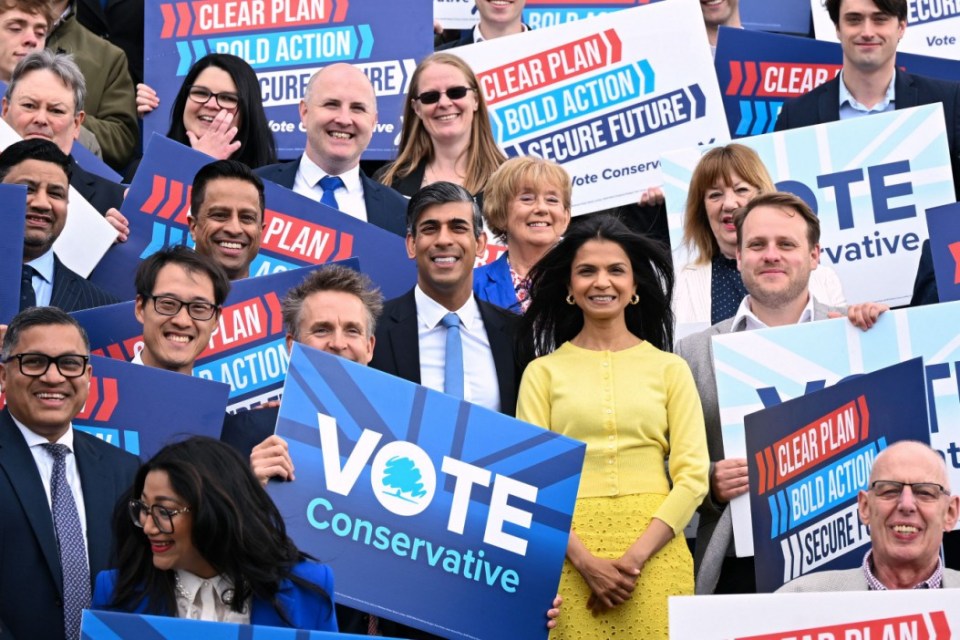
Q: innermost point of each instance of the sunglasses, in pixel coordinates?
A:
(433, 97)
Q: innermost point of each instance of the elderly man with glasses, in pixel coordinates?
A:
(179, 297)
(58, 486)
(908, 508)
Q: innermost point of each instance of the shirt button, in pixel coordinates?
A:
(606, 364)
(609, 410)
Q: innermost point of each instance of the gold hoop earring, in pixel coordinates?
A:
(570, 299)
(634, 299)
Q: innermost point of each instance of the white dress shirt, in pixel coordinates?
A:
(349, 196)
(207, 599)
(44, 462)
(746, 316)
(480, 383)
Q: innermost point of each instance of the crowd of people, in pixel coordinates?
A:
(571, 329)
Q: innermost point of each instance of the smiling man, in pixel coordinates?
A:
(719, 13)
(498, 18)
(56, 483)
(339, 114)
(426, 335)
(908, 508)
(45, 171)
(227, 215)
(180, 294)
(778, 238)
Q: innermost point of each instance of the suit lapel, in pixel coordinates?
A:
(405, 339)
(18, 464)
(372, 201)
(501, 344)
(905, 91)
(829, 104)
(63, 295)
(98, 493)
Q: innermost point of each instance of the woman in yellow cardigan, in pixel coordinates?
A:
(600, 307)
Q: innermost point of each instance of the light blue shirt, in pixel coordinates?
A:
(851, 108)
(43, 278)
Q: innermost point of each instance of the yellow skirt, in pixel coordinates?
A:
(608, 526)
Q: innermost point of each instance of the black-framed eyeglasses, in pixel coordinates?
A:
(162, 516)
(433, 97)
(196, 309)
(70, 365)
(922, 491)
(225, 99)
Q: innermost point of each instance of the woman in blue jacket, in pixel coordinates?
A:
(201, 539)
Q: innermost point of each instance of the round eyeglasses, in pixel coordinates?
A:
(162, 516)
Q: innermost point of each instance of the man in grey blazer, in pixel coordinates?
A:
(908, 508)
(778, 247)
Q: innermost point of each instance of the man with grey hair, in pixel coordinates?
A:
(339, 113)
(428, 334)
(908, 507)
(45, 99)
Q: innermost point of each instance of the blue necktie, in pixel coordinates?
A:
(28, 297)
(329, 184)
(453, 358)
(70, 543)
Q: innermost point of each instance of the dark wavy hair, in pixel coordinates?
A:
(550, 321)
(257, 147)
(236, 528)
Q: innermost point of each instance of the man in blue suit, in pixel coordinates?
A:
(339, 113)
(45, 375)
(45, 170)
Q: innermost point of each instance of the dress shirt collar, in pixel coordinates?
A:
(312, 174)
(35, 440)
(43, 265)
(889, 99)
(746, 320)
(935, 581)
(430, 312)
(478, 37)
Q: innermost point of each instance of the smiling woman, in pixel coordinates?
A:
(200, 538)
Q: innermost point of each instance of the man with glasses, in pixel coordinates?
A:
(179, 297)
(44, 170)
(58, 486)
(227, 215)
(908, 507)
(339, 112)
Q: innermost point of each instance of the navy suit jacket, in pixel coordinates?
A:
(398, 345)
(246, 429)
(73, 293)
(102, 194)
(31, 584)
(386, 208)
(306, 609)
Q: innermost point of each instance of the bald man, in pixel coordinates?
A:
(908, 508)
(339, 113)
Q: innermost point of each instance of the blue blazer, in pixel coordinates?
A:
(386, 208)
(306, 609)
(492, 282)
(31, 583)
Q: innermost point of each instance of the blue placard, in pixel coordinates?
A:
(247, 350)
(943, 223)
(808, 458)
(461, 514)
(14, 198)
(286, 43)
(758, 72)
(297, 231)
(142, 409)
(784, 16)
(109, 625)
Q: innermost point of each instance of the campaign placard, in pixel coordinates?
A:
(247, 349)
(458, 511)
(933, 27)
(86, 236)
(758, 72)
(758, 369)
(297, 231)
(943, 223)
(14, 197)
(143, 409)
(808, 458)
(110, 625)
(908, 614)
(868, 180)
(286, 42)
(602, 102)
